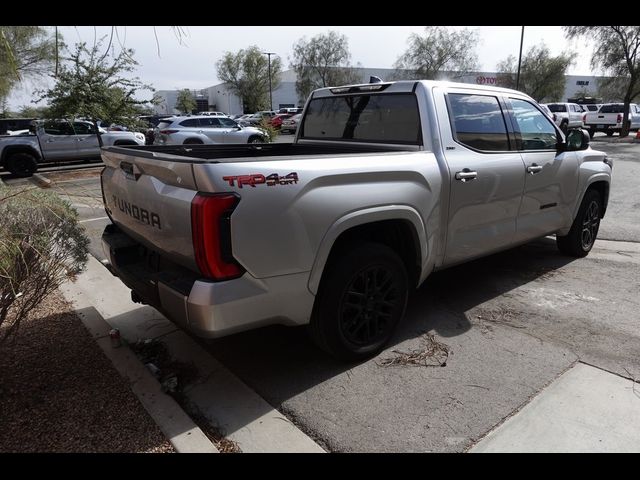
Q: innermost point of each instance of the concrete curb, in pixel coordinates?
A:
(177, 426)
(41, 180)
(229, 404)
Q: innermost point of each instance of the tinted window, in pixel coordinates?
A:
(616, 108)
(227, 122)
(366, 118)
(557, 107)
(478, 122)
(210, 122)
(536, 131)
(83, 128)
(592, 108)
(192, 122)
(58, 128)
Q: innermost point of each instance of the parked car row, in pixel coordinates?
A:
(593, 117)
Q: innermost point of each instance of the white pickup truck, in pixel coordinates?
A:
(609, 118)
(384, 184)
(55, 141)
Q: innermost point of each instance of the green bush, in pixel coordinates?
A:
(42, 245)
(270, 132)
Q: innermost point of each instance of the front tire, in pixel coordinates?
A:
(22, 164)
(584, 230)
(256, 139)
(361, 299)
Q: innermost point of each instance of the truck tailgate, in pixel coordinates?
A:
(150, 200)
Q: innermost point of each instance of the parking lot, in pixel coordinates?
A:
(499, 330)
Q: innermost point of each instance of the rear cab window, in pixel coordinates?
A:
(557, 107)
(390, 118)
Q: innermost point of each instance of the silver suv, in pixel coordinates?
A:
(205, 130)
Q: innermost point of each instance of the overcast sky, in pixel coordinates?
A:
(190, 63)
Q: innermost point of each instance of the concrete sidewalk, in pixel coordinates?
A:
(220, 397)
(586, 410)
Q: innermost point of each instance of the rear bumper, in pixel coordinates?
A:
(209, 309)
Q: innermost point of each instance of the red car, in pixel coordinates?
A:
(276, 121)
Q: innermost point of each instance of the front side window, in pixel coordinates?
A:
(83, 128)
(379, 118)
(478, 122)
(227, 122)
(536, 131)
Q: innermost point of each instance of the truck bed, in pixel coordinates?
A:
(247, 153)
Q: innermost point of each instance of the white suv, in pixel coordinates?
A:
(205, 129)
(566, 115)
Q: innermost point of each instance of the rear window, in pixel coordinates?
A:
(382, 118)
(163, 125)
(617, 108)
(557, 107)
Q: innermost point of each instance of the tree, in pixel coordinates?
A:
(25, 52)
(437, 52)
(247, 75)
(541, 75)
(322, 61)
(617, 53)
(185, 102)
(93, 85)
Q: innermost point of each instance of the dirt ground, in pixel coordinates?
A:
(60, 393)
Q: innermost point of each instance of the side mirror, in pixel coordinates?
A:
(578, 139)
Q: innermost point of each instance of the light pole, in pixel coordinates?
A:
(270, 97)
(520, 59)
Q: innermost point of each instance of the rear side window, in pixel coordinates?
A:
(192, 122)
(557, 107)
(390, 118)
(210, 122)
(478, 122)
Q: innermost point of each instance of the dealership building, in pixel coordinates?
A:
(219, 98)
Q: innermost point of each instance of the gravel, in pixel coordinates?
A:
(60, 393)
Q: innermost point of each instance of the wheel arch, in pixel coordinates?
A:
(397, 226)
(10, 150)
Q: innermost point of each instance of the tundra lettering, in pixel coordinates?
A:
(138, 213)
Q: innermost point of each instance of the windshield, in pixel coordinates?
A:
(557, 107)
(381, 118)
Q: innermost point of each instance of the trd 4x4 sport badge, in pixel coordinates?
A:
(254, 179)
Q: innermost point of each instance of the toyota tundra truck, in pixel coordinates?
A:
(384, 184)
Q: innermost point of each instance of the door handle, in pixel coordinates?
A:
(533, 169)
(466, 175)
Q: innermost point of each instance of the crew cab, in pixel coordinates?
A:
(609, 118)
(384, 184)
(55, 141)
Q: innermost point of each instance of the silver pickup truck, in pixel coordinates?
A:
(55, 141)
(384, 184)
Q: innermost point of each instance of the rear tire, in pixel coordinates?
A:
(22, 164)
(255, 139)
(584, 230)
(361, 299)
(609, 133)
(592, 133)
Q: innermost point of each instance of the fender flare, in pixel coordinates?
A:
(11, 149)
(361, 217)
(596, 177)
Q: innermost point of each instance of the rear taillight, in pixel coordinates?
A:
(168, 132)
(619, 119)
(584, 118)
(211, 233)
(554, 117)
